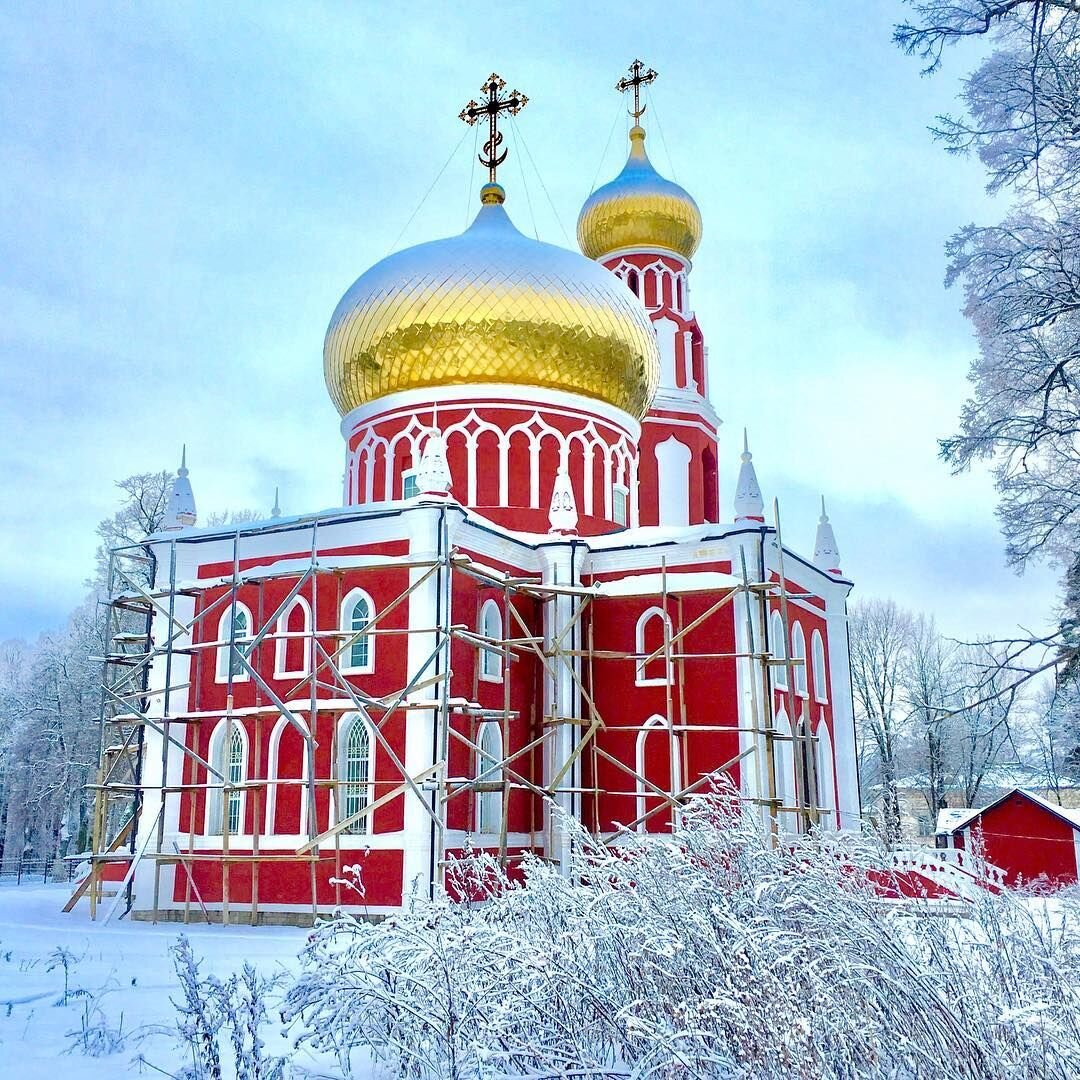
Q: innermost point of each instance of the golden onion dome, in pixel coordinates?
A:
(639, 209)
(490, 306)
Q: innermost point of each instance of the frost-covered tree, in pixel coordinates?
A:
(1020, 276)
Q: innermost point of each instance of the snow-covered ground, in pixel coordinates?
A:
(123, 969)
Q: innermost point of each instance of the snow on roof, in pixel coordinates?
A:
(654, 584)
(949, 819)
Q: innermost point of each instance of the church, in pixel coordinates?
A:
(536, 599)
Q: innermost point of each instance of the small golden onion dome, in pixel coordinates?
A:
(490, 306)
(639, 209)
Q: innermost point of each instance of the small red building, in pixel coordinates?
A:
(1033, 841)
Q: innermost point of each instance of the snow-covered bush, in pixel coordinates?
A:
(709, 953)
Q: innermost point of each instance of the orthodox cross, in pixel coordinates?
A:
(492, 107)
(638, 78)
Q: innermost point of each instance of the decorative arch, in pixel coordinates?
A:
(357, 612)
(784, 765)
(817, 652)
(673, 473)
(355, 773)
(652, 631)
(292, 654)
(778, 644)
(826, 774)
(489, 770)
(491, 627)
(234, 630)
(646, 772)
(281, 730)
(230, 757)
(798, 652)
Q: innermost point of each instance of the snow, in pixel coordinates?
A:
(126, 971)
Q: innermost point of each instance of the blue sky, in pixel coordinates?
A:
(189, 189)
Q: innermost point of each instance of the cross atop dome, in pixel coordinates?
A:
(637, 78)
(513, 103)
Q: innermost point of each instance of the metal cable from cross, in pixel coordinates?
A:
(637, 78)
(492, 107)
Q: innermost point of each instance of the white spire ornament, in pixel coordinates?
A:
(276, 511)
(562, 515)
(826, 553)
(749, 505)
(433, 473)
(180, 509)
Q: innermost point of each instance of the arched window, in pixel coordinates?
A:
(354, 772)
(632, 281)
(784, 764)
(654, 768)
(234, 632)
(291, 651)
(679, 294)
(778, 645)
(817, 651)
(489, 771)
(491, 627)
(826, 776)
(228, 754)
(652, 632)
(798, 652)
(356, 614)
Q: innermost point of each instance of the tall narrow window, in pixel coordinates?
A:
(778, 645)
(817, 650)
(632, 281)
(235, 775)
(489, 771)
(410, 486)
(234, 633)
(357, 613)
(355, 773)
(798, 653)
(292, 648)
(620, 499)
(226, 810)
(826, 776)
(491, 627)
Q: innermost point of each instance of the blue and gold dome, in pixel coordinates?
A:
(490, 306)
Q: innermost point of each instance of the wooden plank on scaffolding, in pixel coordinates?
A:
(121, 836)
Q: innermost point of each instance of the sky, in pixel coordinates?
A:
(188, 189)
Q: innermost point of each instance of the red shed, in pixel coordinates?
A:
(1030, 839)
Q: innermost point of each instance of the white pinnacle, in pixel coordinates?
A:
(826, 553)
(749, 505)
(433, 473)
(180, 509)
(563, 515)
(276, 511)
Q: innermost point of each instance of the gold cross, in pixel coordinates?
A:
(638, 78)
(513, 104)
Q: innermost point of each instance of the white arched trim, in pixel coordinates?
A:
(650, 726)
(357, 611)
(639, 647)
(281, 646)
(355, 773)
(489, 769)
(491, 627)
(826, 774)
(817, 651)
(778, 645)
(798, 652)
(244, 633)
(784, 763)
(273, 772)
(232, 762)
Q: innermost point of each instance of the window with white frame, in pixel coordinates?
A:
(778, 645)
(292, 649)
(798, 653)
(410, 485)
(489, 771)
(644, 783)
(491, 628)
(234, 634)
(784, 764)
(357, 613)
(620, 504)
(817, 651)
(354, 773)
(228, 755)
(651, 638)
(826, 776)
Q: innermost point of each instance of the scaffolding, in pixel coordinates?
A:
(141, 692)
